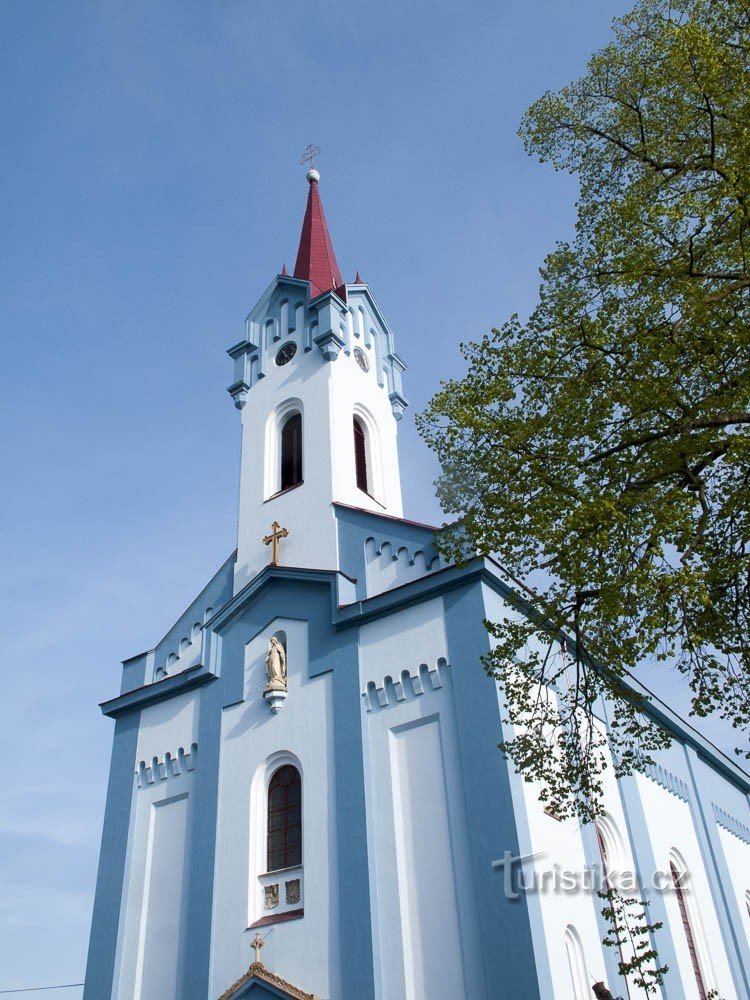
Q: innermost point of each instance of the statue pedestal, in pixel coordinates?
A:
(275, 698)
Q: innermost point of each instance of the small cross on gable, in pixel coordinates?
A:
(256, 944)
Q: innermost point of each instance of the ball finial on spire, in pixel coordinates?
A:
(309, 157)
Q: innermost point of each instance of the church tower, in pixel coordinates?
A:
(318, 385)
(306, 799)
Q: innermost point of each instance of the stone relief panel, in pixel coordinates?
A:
(292, 891)
(272, 896)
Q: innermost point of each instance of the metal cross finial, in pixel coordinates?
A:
(277, 532)
(256, 944)
(309, 155)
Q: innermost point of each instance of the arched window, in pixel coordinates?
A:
(678, 878)
(603, 852)
(610, 851)
(284, 819)
(291, 452)
(576, 964)
(360, 456)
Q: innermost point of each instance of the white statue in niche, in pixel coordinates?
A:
(276, 666)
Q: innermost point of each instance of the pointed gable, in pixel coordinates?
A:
(316, 261)
(259, 983)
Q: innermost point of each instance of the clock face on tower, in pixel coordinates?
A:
(361, 358)
(286, 353)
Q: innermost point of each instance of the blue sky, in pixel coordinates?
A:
(151, 190)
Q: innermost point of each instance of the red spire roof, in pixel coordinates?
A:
(316, 261)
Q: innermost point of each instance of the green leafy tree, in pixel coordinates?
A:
(631, 933)
(600, 450)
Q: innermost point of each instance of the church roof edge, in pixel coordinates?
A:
(229, 561)
(477, 570)
(387, 517)
(484, 569)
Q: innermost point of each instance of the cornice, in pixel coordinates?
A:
(440, 582)
(150, 694)
(319, 300)
(668, 781)
(267, 575)
(731, 824)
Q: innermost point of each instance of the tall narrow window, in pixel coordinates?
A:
(284, 819)
(577, 964)
(677, 878)
(291, 452)
(607, 872)
(360, 456)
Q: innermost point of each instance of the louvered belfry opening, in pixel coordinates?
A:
(291, 452)
(284, 819)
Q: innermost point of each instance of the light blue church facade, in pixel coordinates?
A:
(307, 762)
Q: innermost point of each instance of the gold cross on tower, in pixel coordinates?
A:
(256, 944)
(277, 532)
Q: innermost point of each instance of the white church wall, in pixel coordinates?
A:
(253, 741)
(426, 939)
(546, 842)
(551, 843)
(306, 380)
(621, 854)
(166, 758)
(329, 394)
(559, 844)
(722, 806)
(737, 856)
(366, 395)
(152, 913)
(157, 967)
(426, 875)
(149, 949)
(670, 824)
(168, 726)
(357, 393)
(670, 828)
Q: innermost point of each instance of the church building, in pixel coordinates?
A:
(306, 796)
